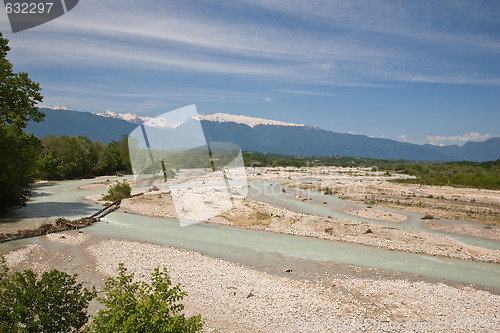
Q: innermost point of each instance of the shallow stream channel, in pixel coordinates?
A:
(252, 247)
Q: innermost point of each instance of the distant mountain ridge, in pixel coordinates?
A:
(218, 117)
(249, 121)
(55, 107)
(263, 135)
(135, 119)
(74, 123)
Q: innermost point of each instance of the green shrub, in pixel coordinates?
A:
(53, 303)
(142, 307)
(57, 303)
(118, 191)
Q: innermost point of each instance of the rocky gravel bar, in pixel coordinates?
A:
(234, 298)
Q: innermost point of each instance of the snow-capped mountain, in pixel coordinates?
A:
(218, 118)
(130, 117)
(135, 119)
(249, 121)
(262, 135)
(55, 107)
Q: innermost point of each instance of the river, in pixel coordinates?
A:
(252, 247)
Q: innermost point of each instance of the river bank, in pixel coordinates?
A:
(269, 297)
(251, 214)
(236, 298)
(468, 204)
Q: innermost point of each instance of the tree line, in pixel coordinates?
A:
(469, 174)
(280, 160)
(25, 159)
(67, 157)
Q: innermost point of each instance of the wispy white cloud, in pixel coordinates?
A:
(472, 136)
(98, 98)
(302, 92)
(403, 138)
(423, 21)
(436, 138)
(172, 93)
(371, 47)
(84, 52)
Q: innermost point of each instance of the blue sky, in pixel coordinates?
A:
(417, 71)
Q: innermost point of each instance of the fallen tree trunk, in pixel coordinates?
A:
(110, 207)
(61, 224)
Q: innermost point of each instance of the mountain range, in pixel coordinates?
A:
(262, 135)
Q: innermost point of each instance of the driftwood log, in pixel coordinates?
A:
(61, 224)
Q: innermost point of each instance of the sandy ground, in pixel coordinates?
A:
(251, 214)
(469, 204)
(293, 173)
(256, 215)
(261, 216)
(100, 185)
(377, 214)
(486, 231)
(235, 298)
(105, 183)
(11, 225)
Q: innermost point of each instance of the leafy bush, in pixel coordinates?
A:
(53, 303)
(141, 307)
(57, 303)
(118, 191)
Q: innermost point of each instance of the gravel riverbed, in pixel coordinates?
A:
(252, 214)
(234, 298)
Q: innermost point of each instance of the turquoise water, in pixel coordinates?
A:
(243, 245)
(273, 194)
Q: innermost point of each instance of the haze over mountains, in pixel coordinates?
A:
(262, 135)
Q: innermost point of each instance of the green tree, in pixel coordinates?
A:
(76, 157)
(104, 162)
(18, 150)
(124, 153)
(53, 303)
(18, 155)
(114, 152)
(67, 157)
(46, 166)
(142, 307)
(18, 94)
